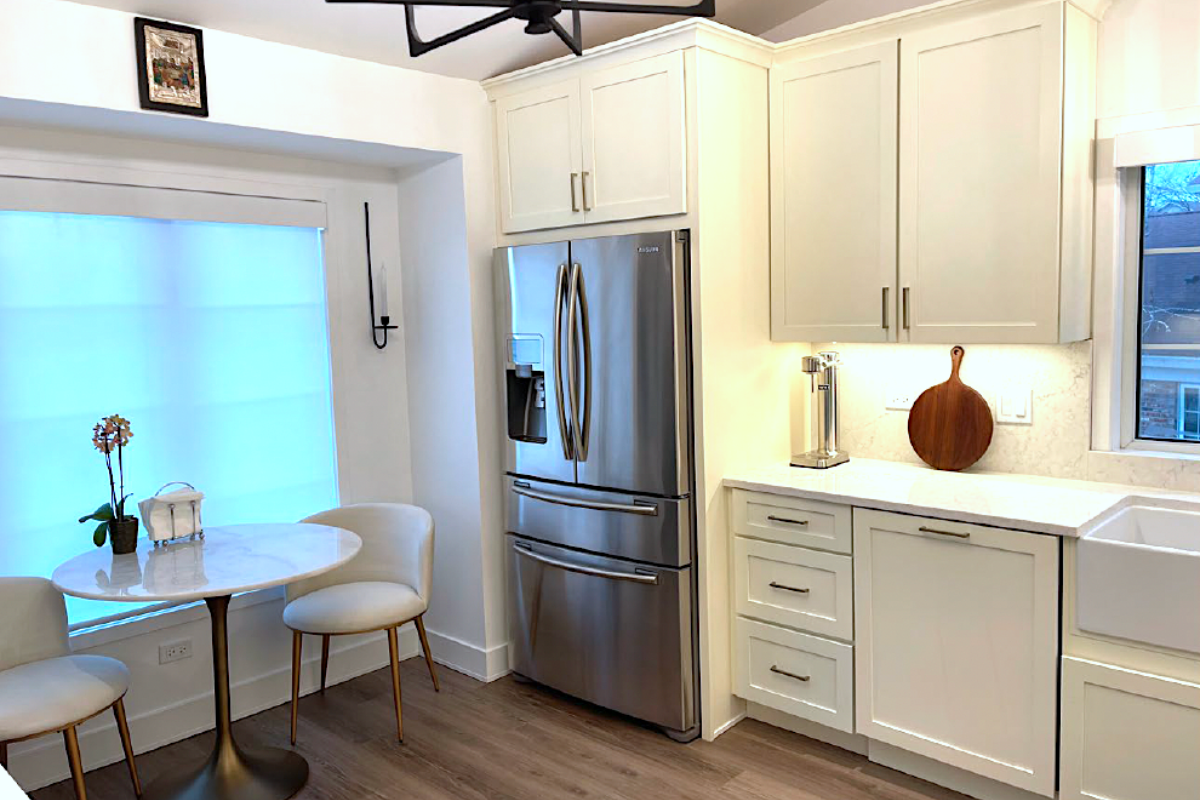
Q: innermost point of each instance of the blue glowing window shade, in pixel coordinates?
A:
(210, 337)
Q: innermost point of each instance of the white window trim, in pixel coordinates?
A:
(1181, 416)
(1122, 146)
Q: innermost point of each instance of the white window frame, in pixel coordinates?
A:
(1123, 147)
(1181, 417)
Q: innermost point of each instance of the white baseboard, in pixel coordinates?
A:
(42, 761)
(854, 742)
(727, 724)
(959, 780)
(481, 664)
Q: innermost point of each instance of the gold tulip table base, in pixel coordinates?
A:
(231, 773)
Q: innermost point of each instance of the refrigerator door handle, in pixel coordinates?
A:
(572, 362)
(640, 507)
(638, 576)
(564, 433)
(585, 424)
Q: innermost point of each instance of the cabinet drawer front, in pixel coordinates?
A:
(790, 520)
(794, 586)
(1128, 735)
(795, 673)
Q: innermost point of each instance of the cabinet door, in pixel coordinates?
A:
(539, 158)
(1127, 735)
(956, 628)
(833, 197)
(980, 142)
(634, 152)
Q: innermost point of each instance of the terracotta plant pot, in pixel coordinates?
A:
(123, 535)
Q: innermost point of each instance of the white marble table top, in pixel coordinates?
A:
(228, 560)
(1024, 502)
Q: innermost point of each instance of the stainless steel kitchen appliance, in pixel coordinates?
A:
(828, 453)
(595, 344)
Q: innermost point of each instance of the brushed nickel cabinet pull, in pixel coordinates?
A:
(885, 307)
(583, 176)
(788, 521)
(775, 585)
(904, 303)
(574, 199)
(955, 534)
(792, 675)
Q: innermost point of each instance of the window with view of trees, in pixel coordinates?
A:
(1168, 350)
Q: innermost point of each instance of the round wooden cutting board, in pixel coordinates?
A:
(950, 425)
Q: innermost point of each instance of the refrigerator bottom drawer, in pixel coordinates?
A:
(612, 632)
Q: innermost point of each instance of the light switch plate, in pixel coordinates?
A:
(1015, 407)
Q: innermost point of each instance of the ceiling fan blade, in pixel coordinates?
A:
(575, 42)
(703, 8)
(418, 46)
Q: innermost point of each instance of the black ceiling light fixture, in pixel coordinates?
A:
(539, 17)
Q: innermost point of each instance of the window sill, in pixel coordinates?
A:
(161, 619)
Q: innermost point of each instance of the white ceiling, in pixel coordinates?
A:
(375, 32)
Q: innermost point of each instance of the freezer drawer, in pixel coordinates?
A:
(636, 527)
(611, 632)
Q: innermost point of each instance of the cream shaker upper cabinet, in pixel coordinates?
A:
(539, 157)
(833, 197)
(956, 644)
(634, 153)
(992, 127)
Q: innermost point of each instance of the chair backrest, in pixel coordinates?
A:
(33, 621)
(397, 546)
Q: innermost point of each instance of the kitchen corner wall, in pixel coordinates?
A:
(1056, 444)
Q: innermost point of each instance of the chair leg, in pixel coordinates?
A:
(127, 744)
(72, 742)
(428, 656)
(297, 646)
(324, 660)
(394, 649)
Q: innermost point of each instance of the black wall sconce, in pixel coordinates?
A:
(383, 322)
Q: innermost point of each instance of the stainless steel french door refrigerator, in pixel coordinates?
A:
(595, 346)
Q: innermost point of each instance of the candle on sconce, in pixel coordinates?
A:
(383, 292)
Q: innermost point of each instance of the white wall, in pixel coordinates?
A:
(836, 13)
(275, 98)
(1149, 57)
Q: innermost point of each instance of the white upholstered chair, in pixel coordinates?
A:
(43, 687)
(383, 587)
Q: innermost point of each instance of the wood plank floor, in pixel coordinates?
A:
(509, 741)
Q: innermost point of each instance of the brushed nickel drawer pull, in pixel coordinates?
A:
(574, 201)
(775, 585)
(788, 521)
(787, 674)
(955, 534)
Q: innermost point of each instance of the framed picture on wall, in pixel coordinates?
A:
(170, 61)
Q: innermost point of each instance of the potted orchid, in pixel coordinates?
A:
(110, 435)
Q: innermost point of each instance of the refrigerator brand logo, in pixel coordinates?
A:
(649, 248)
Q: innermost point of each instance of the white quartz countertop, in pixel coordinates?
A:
(1024, 502)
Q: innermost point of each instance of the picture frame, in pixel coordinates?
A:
(170, 67)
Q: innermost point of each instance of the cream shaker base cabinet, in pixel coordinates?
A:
(833, 197)
(956, 632)
(1127, 735)
(608, 145)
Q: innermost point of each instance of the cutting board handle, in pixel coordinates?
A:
(956, 358)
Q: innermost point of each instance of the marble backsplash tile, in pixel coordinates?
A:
(1055, 444)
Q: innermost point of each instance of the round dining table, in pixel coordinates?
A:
(226, 561)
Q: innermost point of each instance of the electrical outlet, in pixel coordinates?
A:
(174, 651)
(900, 400)
(1015, 407)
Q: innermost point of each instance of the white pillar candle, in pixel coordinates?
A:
(382, 284)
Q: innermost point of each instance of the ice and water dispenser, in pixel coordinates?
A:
(525, 383)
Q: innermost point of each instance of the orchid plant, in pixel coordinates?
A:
(111, 434)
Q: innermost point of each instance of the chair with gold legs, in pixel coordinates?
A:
(383, 587)
(43, 687)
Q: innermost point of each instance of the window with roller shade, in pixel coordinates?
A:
(200, 318)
